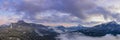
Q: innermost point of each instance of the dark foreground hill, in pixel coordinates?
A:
(26, 31)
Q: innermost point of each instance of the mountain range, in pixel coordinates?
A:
(31, 31)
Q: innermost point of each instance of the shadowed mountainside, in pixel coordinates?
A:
(101, 30)
(26, 31)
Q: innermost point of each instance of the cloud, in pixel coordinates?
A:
(77, 36)
(56, 16)
(75, 8)
(69, 6)
(79, 11)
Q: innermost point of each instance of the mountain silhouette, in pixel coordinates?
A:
(101, 30)
(31, 31)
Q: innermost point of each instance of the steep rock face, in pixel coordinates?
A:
(27, 31)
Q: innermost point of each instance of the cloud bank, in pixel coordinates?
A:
(77, 36)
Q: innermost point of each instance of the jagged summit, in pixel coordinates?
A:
(21, 21)
(112, 22)
(109, 24)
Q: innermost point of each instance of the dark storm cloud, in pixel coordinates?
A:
(100, 11)
(82, 9)
(74, 7)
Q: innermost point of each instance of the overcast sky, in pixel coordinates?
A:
(60, 12)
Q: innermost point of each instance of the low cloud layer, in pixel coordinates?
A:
(77, 36)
